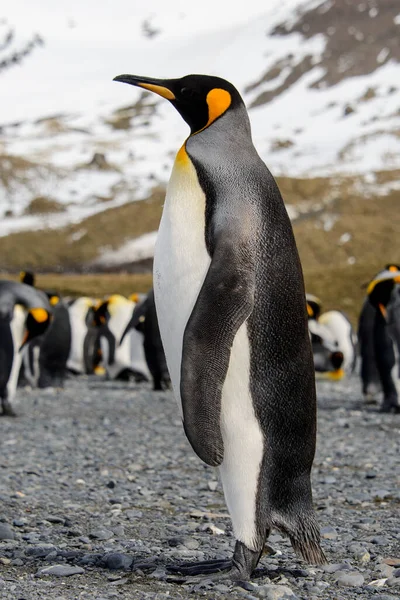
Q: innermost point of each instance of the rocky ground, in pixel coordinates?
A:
(99, 490)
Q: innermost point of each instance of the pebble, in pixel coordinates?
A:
(116, 561)
(60, 571)
(101, 534)
(276, 592)
(328, 533)
(6, 533)
(349, 579)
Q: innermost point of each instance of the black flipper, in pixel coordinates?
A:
(225, 301)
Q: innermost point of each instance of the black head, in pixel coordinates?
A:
(37, 322)
(200, 99)
(313, 306)
(27, 277)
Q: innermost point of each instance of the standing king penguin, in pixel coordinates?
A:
(231, 307)
(24, 314)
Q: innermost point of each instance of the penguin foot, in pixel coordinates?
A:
(239, 568)
(205, 567)
(391, 409)
(8, 410)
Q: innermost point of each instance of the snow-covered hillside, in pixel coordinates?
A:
(320, 79)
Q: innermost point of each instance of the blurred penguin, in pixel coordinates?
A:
(379, 338)
(333, 339)
(121, 360)
(84, 335)
(45, 358)
(144, 319)
(24, 314)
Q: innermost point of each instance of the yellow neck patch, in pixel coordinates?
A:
(182, 157)
(39, 314)
(218, 102)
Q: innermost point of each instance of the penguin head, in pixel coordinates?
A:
(37, 321)
(314, 305)
(27, 277)
(199, 99)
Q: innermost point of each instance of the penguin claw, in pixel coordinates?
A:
(205, 567)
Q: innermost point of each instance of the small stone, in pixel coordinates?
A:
(378, 582)
(60, 571)
(384, 597)
(362, 556)
(118, 530)
(212, 485)
(111, 485)
(6, 533)
(4, 560)
(275, 592)
(393, 562)
(221, 588)
(17, 562)
(328, 533)
(349, 579)
(186, 541)
(329, 479)
(19, 522)
(39, 551)
(396, 573)
(101, 534)
(385, 570)
(116, 560)
(379, 540)
(55, 519)
(381, 495)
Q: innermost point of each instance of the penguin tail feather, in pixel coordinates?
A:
(309, 550)
(304, 536)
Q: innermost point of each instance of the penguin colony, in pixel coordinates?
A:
(44, 338)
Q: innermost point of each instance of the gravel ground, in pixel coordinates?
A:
(99, 490)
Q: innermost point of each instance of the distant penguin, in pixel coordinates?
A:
(27, 277)
(333, 340)
(81, 312)
(45, 358)
(122, 356)
(24, 314)
(231, 309)
(379, 338)
(144, 319)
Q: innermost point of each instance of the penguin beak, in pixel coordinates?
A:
(162, 87)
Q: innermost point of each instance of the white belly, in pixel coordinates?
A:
(243, 442)
(17, 331)
(181, 263)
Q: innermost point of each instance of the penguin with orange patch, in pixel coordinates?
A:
(379, 338)
(231, 309)
(24, 314)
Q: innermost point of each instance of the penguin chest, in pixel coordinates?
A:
(181, 261)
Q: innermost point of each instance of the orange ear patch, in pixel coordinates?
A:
(39, 314)
(218, 102)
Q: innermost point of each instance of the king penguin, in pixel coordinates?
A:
(24, 314)
(231, 306)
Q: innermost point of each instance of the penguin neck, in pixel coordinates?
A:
(231, 130)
